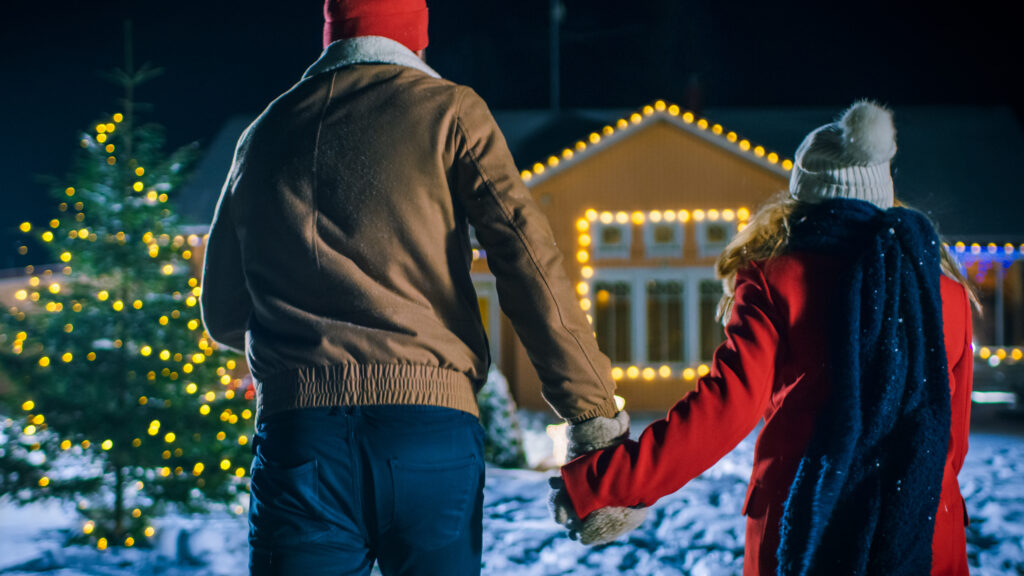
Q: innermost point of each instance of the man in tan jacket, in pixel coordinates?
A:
(339, 260)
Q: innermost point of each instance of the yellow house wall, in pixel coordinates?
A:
(659, 167)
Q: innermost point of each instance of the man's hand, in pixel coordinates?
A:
(597, 433)
(602, 526)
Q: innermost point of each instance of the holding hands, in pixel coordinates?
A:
(605, 524)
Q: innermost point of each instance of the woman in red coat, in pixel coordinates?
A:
(849, 333)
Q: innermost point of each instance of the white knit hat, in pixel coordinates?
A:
(848, 159)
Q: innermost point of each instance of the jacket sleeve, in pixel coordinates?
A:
(702, 427)
(533, 288)
(225, 302)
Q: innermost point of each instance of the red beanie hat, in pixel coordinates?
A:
(403, 21)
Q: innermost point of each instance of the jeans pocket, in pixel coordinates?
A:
(284, 501)
(434, 500)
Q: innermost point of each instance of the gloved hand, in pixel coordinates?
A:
(597, 433)
(601, 526)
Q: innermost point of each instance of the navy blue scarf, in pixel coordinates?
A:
(867, 489)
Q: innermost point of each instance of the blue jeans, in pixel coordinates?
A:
(336, 489)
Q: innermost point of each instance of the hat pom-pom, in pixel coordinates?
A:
(869, 136)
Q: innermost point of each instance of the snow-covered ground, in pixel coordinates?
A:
(698, 530)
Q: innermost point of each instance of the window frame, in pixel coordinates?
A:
(706, 249)
(673, 250)
(638, 277)
(600, 251)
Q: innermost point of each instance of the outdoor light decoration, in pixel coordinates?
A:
(659, 109)
(584, 242)
(996, 355)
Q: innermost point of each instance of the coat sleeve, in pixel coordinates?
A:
(533, 288)
(225, 302)
(702, 427)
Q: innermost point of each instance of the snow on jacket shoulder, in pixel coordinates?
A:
(339, 254)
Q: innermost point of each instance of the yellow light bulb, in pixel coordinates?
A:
(169, 437)
(25, 227)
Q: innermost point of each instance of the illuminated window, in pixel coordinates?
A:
(714, 236)
(613, 319)
(663, 239)
(656, 316)
(711, 332)
(612, 240)
(665, 332)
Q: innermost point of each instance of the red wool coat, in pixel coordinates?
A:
(772, 366)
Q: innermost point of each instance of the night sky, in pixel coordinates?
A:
(222, 58)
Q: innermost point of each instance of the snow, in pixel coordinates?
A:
(698, 530)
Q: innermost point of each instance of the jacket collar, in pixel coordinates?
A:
(367, 50)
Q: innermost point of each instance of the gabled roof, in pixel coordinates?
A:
(658, 111)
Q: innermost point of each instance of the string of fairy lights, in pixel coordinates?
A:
(585, 244)
(179, 364)
(659, 109)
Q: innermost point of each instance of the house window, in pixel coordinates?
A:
(714, 236)
(612, 240)
(613, 320)
(659, 316)
(711, 332)
(665, 332)
(663, 239)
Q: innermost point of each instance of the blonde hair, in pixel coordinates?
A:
(766, 236)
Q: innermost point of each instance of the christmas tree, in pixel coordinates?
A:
(121, 403)
(503, 437)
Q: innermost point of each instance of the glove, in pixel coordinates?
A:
(601, 526)
(597, 433)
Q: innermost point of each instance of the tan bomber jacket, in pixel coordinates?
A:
(339, 253)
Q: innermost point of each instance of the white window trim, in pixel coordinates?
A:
(706, 249)
(601, 251)
(637, 279)
(674, 250)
